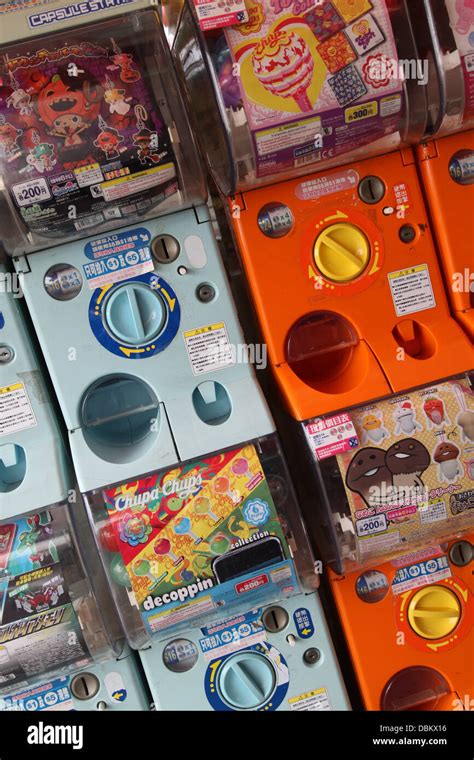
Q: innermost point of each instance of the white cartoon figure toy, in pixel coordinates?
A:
(21, 101)
(405, 418)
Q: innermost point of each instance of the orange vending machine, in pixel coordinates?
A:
(395, 481)
(446, 163)
(306, 115)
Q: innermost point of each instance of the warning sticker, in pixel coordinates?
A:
(411, 290)
(88, 175)
(134, 183)
(16, 412)
(312, 700)
(209, 348)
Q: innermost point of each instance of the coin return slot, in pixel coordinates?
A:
(371, 189)
(85, 686)
(275, 619)
(165, 249)
(120, 418)
(12, 467)
(212, 403)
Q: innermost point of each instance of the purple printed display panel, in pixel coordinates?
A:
(82, 139)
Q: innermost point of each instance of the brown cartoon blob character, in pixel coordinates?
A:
(369, 476)
(446, 456)
(407, 460)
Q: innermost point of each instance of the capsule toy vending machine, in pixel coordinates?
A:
(141, 339)
(61, 644)
(345, 279)
(446, 159)
(396, 484)
(215, 561)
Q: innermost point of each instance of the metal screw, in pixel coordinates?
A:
(6, 354)
(312, 656)
(407, 233)
(205, 293)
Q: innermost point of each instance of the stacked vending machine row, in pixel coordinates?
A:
(172, 443)
(348, 285)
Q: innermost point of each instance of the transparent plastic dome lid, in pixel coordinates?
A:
(292, 90)
(51, 621)
(394, 475)
(445, 38)
(201, 540)
(93, 134)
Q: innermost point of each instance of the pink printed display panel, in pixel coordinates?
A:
(315, 80)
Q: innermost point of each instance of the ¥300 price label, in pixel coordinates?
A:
(34, 191)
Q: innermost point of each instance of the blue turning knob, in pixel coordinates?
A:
(247, 680)
(135, 314)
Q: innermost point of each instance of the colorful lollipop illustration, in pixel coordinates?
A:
(222, 488)
(202, 506)
(182, 527)
(283, 64)
(241, 467)
(220, 543)
(142, 569)
(162, 547)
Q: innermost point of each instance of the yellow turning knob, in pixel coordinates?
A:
(434, 612)
(341, 252)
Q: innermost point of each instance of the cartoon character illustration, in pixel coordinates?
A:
(124, 62)
(466, 422)
(38, 541)
(68, 112)
(369, 476)
(20, 101)
(147, 142)
(465, 11)
(405, 418)
(37, 601)
(373, 429)
(116, 100)
(41, 157)
(446, 456)
(407, 460)
(435, 412)
(8, 140)
(109, 140)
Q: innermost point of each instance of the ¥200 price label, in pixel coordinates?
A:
(33, 191)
